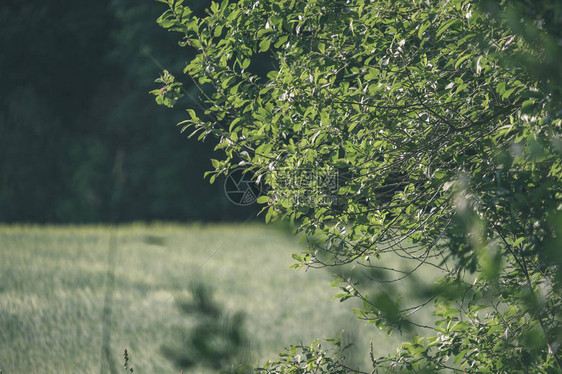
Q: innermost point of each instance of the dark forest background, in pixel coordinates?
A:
(81, 139)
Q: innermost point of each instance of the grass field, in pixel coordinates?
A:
(53, 282)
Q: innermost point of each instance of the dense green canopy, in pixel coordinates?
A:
(419, 129)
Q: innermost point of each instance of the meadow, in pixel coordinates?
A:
(53, 282)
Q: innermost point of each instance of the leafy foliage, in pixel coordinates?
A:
(314, 358)
(446, 144)
(217, 340)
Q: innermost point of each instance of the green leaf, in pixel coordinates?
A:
(446, 26)
(518, 241)
(233, 123)
(228, 81)
(461, 60)
(263, 199)
(192, 114)
(422, 29)
(264, 45)
(508, 93)
(218, 31)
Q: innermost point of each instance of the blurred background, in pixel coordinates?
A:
(81, 139)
